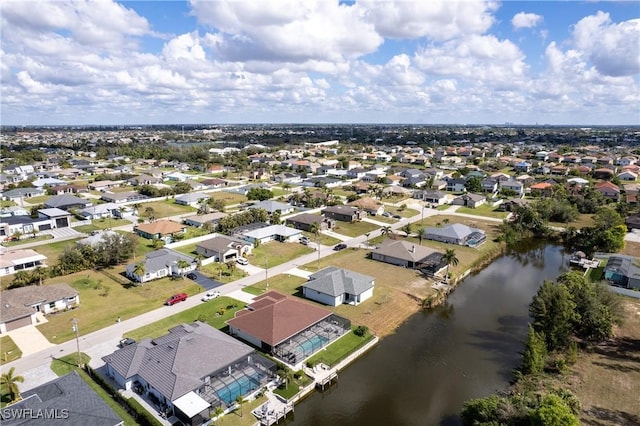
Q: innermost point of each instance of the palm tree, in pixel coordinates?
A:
(10, 382)
(240, 400)
(421, 231)
(449, 258)
(407, 228)
(182, 265)
(217, 413)
(386, 231)
(445, 220)
(139, 270)
(367, 235)
(17, 235)
(40, 274)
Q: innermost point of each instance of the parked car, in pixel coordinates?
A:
(397, 216)
(340, 246)
(126, 342)
(387, 214)
(242, 261)
(192, 276)
(210, 295)
(180, 297)
(305, 240)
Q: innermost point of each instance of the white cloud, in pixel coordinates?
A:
(435, 19)
(613, 48)
(526, 20)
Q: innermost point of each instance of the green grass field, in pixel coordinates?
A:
(354, 229)
(38, 200)
(484, 210)
(222, 273)
(10, 351)
(324, 239)
(105, 296)
(289, 284)
(229, 198)
(214, 313)
(100, 224)
(274, 253)
(339, 349)
(27, 239)
(165, 208)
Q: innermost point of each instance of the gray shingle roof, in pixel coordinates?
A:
(16, 301)
(404, 250)
(177, 363)
(455, 230)
(160, 259)
(70, 393)
(271, 206)
(336, 281)
(65, 200)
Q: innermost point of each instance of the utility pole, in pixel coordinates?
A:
(318, 244)
(266, 271)
(75, 329)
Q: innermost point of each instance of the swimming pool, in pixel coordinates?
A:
(313, 344)
(241, 386)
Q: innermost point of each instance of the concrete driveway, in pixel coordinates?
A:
(29, 340)
(634, 236)
(204, 281)
(251, 269)
(63, 233)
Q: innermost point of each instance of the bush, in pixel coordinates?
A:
(361, 331)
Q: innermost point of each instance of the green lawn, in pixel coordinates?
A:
(484, 210)
(28, 239)
(288, 391)
(214, 313)
(68, 363)
(582, 221)
(100, 224)
(7, 203)
(105, 296)
(221, 272)
(342, 192)
(188, 249)
(165, 208)
(354, 229)
(289, 284)
(53, 250)
(340, 349)
(10, 351)
(274, 253)
(229, 198)
(324, 239)
(38, 200)
(406, 212)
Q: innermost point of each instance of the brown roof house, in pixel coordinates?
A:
(163, 229)
(343, 213)
(305, 221)
(368, 205)
(409, 255)
(20, 306)
(223, 248)
(287, 327)
(608, 190)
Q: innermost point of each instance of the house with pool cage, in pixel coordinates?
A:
(189, 372)
(287, 327)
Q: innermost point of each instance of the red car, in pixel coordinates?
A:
(181, 297)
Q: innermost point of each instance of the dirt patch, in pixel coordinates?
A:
(606, 379)
(631, 248)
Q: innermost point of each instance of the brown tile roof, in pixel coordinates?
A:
(275, 317)
(163, 227)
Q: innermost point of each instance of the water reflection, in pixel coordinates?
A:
(468, 348)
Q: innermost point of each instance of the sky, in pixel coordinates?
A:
(319, 61)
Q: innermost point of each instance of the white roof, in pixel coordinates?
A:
(578, 180)
(191, 404)
(268, 231)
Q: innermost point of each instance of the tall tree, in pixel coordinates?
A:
(535, 353)
(182, 266)
(386, 231)
(140, 270)
(449, 258)
(407, 228)
(553, 313)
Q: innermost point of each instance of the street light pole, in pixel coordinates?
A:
(75, 329)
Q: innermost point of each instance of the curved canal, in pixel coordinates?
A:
(435, 361)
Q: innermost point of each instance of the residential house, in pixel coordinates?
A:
(512, 204)
(435, 198)
(623, 270)
(457, 233)
(559, 170)
(305, 221)
(224, 248)
(628, 176)
(608, 190)
(201, 219)
(603, 173)
(470, 200)
(633, 222)
(20, 306)
(12, 261)
(66, 202)
(162, 229)
(97, 237)
(456, 185)
(542, 189)
(68, 189)
(626, 161)
(512, 185)
(273, 206)
(99, 211)
(13, 211)
(58, 218)
(65, 400)
(191, 371)
(334, 286)
(104, 185)
(214, 183)
(18, 194)
(287, 327)
(280, 233)
(489, 185)
(522, 167)
(192, 199)
(159, 264)
(122, 197)
(343, 213)
(356, 173)
(41, 183)
(368, 205)
(144, 179)
(47, 219)
(409, 255)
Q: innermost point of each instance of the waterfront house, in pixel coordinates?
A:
(287, 327)
(21, 306)
(163, 229)
(457, 233)
(159, 264)
(623, 270)
(408, 255)
(334, 286)
(224, 248)
(190, 371)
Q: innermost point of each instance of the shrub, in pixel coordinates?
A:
(361, 330)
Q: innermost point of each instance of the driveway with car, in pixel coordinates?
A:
(204, 281)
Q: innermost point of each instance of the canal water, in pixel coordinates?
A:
(422, 374)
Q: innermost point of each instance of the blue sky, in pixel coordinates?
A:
(320, 61)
